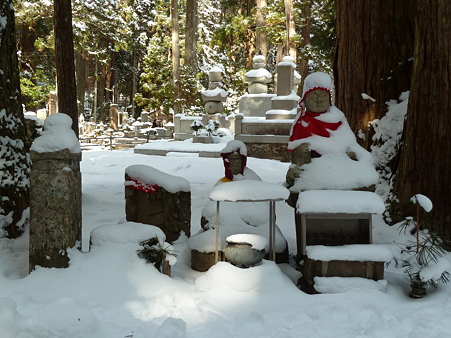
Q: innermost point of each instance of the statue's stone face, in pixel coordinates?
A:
(317, 101)
(235, 163)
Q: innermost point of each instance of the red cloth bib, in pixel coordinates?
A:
(308, 125)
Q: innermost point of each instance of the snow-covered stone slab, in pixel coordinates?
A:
(339, 201)
(343, 284)
(249, 190)
(124, 233)
(352, 252)
(149, 175)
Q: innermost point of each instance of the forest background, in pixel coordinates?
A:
(156, 55)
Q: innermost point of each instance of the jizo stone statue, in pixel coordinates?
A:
(235, 163)
(317, 101)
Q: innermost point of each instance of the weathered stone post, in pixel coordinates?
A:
(156, 198)
(53, 107)
(114, 117)
(55, 194)
(286, 98)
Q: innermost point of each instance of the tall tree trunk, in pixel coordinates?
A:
(81, 75)
(175, 55)
(65, 61)
(305, 23)
(134, 84)
(374, 56)
(290, 48)
(14, 143)
(260, 40)
(192, 21)
(425, 161)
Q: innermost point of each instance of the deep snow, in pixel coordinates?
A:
(109, 292)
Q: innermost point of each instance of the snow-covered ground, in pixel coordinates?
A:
(108, 291)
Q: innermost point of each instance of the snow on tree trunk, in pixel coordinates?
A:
(14, 144)
(425, 162)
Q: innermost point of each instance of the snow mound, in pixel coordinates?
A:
(265, 278)
(57, 135)
(124, 233)
(172, 328)
(75, 321)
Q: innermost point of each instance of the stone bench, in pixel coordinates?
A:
(335, 217)
(348, 261)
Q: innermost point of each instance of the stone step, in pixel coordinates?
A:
(343, 284)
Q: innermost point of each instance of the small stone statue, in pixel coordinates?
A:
(322, 142)
(234, 156)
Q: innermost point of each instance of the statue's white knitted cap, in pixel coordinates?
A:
(317, 80)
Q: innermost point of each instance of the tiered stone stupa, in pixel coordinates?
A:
(215, 95)
(258, 77)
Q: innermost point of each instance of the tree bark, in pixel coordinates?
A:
(374, 56)
(290, 48)
(425, 162)
(192, 21)
(65, 61)
(175, 55)
(81, 75)
(14, 143)
(260, 40)
(306, 22)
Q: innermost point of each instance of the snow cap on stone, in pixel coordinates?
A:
(57, 135)
(235, 146)
(317, 80)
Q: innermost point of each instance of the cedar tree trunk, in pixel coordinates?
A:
(425, 156)
(374, 57)
(14, 144)
(65, 61)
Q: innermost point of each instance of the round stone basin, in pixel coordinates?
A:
(245, 249)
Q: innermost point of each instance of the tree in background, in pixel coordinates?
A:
(65, 61)
(34, 25)
(14, 144)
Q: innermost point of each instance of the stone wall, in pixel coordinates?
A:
(171, 212)
(55, 207)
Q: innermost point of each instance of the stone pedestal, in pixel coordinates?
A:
(338, 268)
(55, 207)
(171, 212)
(332, 229)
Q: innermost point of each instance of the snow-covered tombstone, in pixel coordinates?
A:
(156, 198)
(55, 194)
(258, 77)
(215, 95)
(235, 218)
